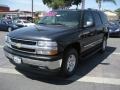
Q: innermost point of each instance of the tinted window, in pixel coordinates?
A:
(97, 18)
(104, 18)
(9, 22)
(3, 22)
(87, 18)
(66, 18)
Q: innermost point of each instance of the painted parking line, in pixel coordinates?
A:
(99, 80)
(115, 53)
(9, 71)
(1, 46)
(88, 79)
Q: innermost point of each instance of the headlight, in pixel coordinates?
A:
(47, 48)
(117, 30)
(7, 39)
(110, 30)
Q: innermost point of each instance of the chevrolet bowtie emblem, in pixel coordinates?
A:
(18, 45)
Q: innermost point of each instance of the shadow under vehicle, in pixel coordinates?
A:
(85, 67)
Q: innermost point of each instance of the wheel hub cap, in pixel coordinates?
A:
(71, 63)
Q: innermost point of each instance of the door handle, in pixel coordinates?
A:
(86, 33)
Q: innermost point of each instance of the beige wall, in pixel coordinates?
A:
(111, 15)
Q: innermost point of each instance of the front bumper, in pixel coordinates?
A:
(48, 63)
(114, 33)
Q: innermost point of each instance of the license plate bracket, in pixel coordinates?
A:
(17, 59)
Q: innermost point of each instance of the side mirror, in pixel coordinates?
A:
(88, 24)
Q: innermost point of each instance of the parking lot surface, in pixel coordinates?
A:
(99, 72)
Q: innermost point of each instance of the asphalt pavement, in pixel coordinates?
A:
(99, 72)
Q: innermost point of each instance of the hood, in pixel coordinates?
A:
(39, 32)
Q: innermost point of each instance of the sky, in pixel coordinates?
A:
(39, 6)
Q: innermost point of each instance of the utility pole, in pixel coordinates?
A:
(83, 4)
(32, 10)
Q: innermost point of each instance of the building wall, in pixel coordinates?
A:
(111, 15)
(4, 9)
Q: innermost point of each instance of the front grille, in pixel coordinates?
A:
(27, 42)
(23, 49)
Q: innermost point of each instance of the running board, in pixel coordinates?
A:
(86, 56)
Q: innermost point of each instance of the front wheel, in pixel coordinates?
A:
(70, 62)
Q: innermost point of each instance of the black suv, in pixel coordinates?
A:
(59, 41)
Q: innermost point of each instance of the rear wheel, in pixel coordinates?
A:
(104, 45)
(70, 62)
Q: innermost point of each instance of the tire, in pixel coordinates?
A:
(104, 45)
(70, 63)
(9, 29)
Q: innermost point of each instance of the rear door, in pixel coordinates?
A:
(98, 27)
(88, 31)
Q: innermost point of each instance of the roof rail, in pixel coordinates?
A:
(92, 9)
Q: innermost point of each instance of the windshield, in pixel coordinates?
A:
(26, 21)
(7, 22)
(66, 18)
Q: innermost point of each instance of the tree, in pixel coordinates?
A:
(61, 4)
(101, 1)
(57, 4)
(118, 12)
(38, 13)
(76, 2)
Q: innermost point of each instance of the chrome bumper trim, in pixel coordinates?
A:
(50, 65)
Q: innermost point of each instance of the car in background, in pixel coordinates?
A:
(7, 25)
(114, 28)
(24, 23)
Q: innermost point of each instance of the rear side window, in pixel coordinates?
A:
(97, 18)
(88, 18)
